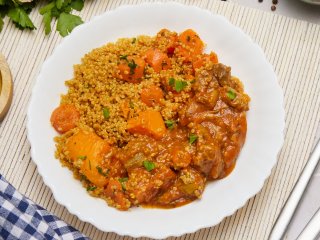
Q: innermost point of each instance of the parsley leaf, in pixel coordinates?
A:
(134, 40)
(231, 94)
(100, 171)
(180, 85)
(106, 113)
(132, 65)
(122, 181)
(1, 23)
(149, 166)
(171, 81)
(77, 4)
(124, 57)
(192, 138)
(82, 157)
(67, 22)
(20, 18)
(169, 124)
(47, 17)
(91, 188)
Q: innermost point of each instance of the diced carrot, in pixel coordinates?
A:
(149, 123)
(200, 60)
(131, 69)
(64, 118)
(115, 192)
(168, 39)
(191, 44)
(89, 148)
(151, 95)
(157, 60)
(180, 157)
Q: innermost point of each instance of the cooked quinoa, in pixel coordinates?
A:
(101, 104)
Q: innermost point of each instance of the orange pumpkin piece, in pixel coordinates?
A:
(131, 69)
(89, 148)
(203, 58)
(64, 118)
(157, 60)
(151, 95)
(149, 123)
(191, 44)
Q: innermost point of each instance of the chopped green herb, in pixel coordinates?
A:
(124, 57)
(169, 124)
(149, 165)
(91, 188)
(19, 16)
(192, 138)
(132, 65)
(192, 81)
(122, 181)
(131, 104)
(106, 113)
(231, 94)
(171, 81)
(100, 171)
(82, 157)
(134, 40)
(90, 164)
(180, 85)
(188, 38)
(83, 178)
(67, 22)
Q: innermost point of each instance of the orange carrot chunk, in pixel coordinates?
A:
(64, 118)
(151, 95)
(200, 60)
(191, 44)
(131, 69)
(89, 149)
(149, 123)
(157, 60)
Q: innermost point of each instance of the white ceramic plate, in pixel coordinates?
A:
(221, 198)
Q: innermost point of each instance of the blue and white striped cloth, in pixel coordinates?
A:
(22, 219)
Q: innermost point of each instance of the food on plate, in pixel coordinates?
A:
(150, 120)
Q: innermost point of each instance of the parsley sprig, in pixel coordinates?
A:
(18, 12)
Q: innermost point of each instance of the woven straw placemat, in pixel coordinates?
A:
(293, 48)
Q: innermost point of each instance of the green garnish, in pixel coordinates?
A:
(188, 38)
(178, 85)
(91, 188)
(90, 164)
(132, 65)
(169, 124)
(149, 166)
(231, 94)
(122, 181)
(124, 57)
(192, 138)
(106, 113)
(100, 171)
(171, 81)
(53, 10)
(133, 40)
(131, 104)
(82, 157)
